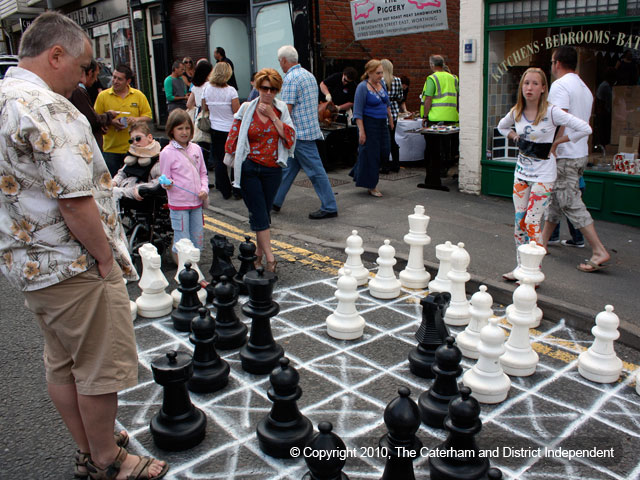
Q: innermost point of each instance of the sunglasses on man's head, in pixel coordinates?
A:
(268, 89)
(136, 139)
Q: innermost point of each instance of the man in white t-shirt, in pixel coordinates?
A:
(571, 94)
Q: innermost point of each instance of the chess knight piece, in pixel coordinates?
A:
(221, 264)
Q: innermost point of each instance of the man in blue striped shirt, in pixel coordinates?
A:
(300, 93)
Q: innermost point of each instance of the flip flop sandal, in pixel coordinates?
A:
(594, 266)
(139, 472)
(509, 277)
(375, 193)
(81, 458)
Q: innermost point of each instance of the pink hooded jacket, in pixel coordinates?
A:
(184, 173)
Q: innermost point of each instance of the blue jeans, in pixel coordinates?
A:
(188, 224)
(306, 157)
(259, 185)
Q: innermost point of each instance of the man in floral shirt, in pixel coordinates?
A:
(61, 241)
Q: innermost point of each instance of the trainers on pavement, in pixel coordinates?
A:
(571, 243)
(320, 214)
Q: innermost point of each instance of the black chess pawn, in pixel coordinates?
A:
(463, 424)
(232, 333)
(210, 372)
(285, 427)
(400, 445)
(261, 353)
(247, 257)
(330, 466)
(221, 263)
(178, 425)
(430, 335)
(494, 474)
(434, 403)
(189, 301)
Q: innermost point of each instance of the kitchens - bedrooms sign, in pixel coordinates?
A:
(386, 18)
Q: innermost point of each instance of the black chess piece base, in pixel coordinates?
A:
(179, 433)
(260, 359)
(308, 476)
(420, 362)
(209, 378)
(231, 336)
(433, 408)
(276, 439)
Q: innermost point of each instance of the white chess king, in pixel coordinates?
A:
(415, 275)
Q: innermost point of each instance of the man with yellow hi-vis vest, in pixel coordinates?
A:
(439, 107)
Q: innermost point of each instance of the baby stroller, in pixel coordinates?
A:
(147, 221)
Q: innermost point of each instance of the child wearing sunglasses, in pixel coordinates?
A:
(141, 166)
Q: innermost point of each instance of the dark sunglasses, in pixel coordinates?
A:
(269, 89)
(136, 139)
(188, 61)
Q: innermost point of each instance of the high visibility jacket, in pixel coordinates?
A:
(444, 102)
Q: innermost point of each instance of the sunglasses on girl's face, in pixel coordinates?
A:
(268, 89)
(136, 139)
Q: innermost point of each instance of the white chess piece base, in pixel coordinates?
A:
(486, 387)
(519, 362)
(598, 368)
(345, 328)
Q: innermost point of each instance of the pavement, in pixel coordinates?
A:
(484, 224)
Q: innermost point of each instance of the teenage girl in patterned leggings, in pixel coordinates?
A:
(535, 122)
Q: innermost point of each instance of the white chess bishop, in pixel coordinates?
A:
(190, 254)
(354, 251)
(442, 283)
(481, 311)
(486, 379)
(600, 363)
(385, 285)
(154, 301)
(345, 323)
(529, 262)
(415, 275)
(520, 360)
(458, 313)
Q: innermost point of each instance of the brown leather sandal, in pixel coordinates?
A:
(139, 472)
(271, 266)
(81, 458)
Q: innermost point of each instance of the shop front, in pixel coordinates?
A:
(606, 33)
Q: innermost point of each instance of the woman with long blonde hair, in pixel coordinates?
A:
(536, 122)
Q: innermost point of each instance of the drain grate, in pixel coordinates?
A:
(305, 182)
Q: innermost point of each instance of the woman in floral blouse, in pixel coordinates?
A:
(262, 137)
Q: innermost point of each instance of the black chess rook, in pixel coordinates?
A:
(430, 335)
(210, 372)
(285, 427)
(247, 257)
(329, 467)
(232, 333)
(189, 301)
(178, 425)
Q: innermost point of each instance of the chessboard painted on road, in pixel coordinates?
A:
(546, 418)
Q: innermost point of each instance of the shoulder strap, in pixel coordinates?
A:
(192, 162)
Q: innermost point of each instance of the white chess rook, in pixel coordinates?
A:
(458, 313)
(442, 283)
(190, 254)
(520, 360)
(385, 285)
(354, 251)
(530, 260)
(600, 363)
(481, 311)
(415, 275)
(154, 301)
(345, 323)
(486, 378)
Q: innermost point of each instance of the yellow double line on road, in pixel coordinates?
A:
(565, 351)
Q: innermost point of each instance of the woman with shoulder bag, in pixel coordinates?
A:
(200, 136)
(262, 137)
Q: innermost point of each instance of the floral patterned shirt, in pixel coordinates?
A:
(47, 152)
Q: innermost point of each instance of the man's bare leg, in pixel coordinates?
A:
(65, 399)
(599, 254)
(547, 230)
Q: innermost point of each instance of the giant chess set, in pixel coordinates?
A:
(391, 376)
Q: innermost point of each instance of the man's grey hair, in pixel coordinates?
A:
(289, 53)
(49, 29)
(436, 60)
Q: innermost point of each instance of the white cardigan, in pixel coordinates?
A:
(245, 114)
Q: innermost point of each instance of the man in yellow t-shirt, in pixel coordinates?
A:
(132, 106)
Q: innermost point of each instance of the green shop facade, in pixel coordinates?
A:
(522, 34)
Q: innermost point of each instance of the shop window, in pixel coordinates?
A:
(570, 8)
(608, 63)
(517, 12)
(273, 29)
(231, 34)
(122, 39)
(633, 7)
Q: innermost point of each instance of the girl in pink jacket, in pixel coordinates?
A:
(182, 162)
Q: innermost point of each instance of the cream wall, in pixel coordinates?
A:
(471, 97)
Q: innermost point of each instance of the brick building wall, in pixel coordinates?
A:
(409, 53)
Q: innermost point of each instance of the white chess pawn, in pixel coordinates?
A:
(415, 275)
(486, 378)
(520, 360)
(154, 301)
(458, 312)
(354, 262)
(385, 285)
(345, 323)
(132, 305)
(190, 254)
(442, 283)
(481, 311)
(600, 363)
(530, 259)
